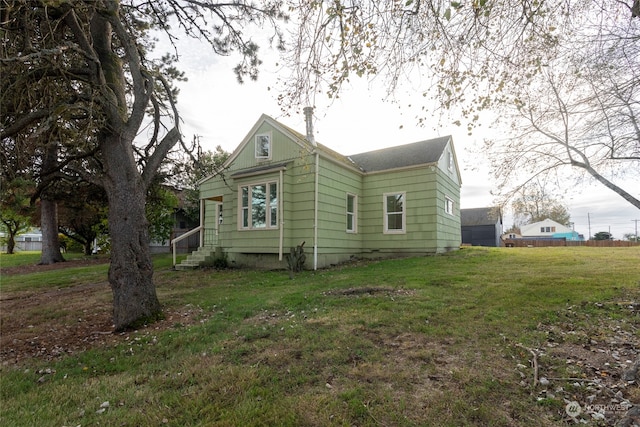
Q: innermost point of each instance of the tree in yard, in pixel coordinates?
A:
(583, 114)
(49, 208)
(18, 185)
(569, 70)
(602, 235)
(83, 208)
(161, 205)
(106, 88)
(15, 210)
(533, 203)
(189, 170)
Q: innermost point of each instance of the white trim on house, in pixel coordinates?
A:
(263, 141)
(352, 214)
(449, 205)
(386, 229)
(270, 222)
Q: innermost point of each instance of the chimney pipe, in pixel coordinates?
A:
(308, 117)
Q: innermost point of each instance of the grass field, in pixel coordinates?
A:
(28, 258)
(500, 337)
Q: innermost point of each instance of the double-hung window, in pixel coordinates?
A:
(394, 212)
(259, 206)
(352, 213)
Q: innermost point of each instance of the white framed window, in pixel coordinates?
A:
(450, 160)
(394, 208)
(263, 146)
(352, 213)
(258, 206)
(448, 205)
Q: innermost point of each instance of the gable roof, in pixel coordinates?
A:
(480, 216)
(291, 134)
(417, 153)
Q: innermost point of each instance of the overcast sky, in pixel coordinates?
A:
(215, 107)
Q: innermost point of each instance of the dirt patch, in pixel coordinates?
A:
(591, 360)
(50, 324)
(368, 290)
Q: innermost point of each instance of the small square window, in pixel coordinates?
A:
(263, 146)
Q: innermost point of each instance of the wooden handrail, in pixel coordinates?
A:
(182, 237)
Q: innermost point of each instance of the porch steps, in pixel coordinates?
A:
(201, 257)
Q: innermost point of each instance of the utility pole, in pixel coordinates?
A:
(589, 221)
(636, 221)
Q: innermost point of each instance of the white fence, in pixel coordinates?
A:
(24, 246)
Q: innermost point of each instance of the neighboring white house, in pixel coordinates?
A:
(30, 240)
(549, 229)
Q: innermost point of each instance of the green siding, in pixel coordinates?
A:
(423, 211)
(335, 181)
(283, 149)
(428, 228)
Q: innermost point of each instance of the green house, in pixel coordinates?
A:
(280, 188)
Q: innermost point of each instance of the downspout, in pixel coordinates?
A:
(280, 214)
(315, 216)
(202, 223)
(308, 114)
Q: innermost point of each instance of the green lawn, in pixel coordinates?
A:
(443, 340)
(30, 258)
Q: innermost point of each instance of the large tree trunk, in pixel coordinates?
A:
(11, 241)
(131, 269)
(49, 212)
(49, 226)
(87, 247)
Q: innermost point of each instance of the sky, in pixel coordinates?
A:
(221, 112)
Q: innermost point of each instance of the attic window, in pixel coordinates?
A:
(263, 146)
(450, 160)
